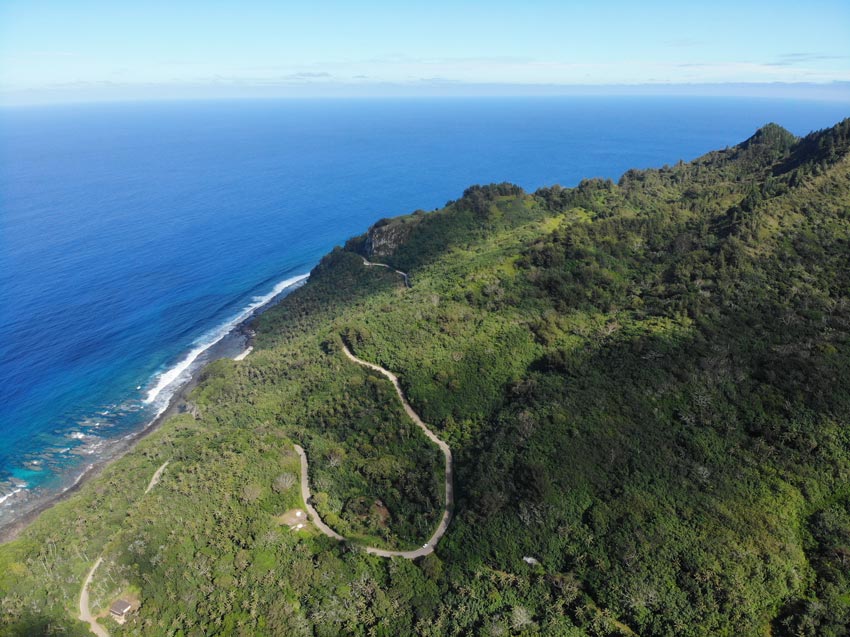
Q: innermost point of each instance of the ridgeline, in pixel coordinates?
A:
(645, 386)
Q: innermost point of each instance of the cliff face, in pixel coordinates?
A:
(383, 239)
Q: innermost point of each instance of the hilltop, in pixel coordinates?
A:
(645, 386)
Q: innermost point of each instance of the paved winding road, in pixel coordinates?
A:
(447, 454)
(306, 496)
(97, 629)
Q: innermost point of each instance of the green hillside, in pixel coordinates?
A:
(645, 386)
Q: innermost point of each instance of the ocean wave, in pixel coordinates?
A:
(166, 379)
(76, 481)
(92, 447)
(12, 493)
(79, 448)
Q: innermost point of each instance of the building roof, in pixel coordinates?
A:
(119, 607)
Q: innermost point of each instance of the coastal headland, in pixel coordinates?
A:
(643, 386)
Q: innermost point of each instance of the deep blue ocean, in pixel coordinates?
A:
(133, 235)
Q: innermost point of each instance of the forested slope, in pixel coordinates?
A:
(645, 385)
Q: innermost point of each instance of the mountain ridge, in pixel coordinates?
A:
(644, 385)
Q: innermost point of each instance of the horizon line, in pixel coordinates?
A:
(104, 92)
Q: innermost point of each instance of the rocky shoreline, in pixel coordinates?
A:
(234, 345)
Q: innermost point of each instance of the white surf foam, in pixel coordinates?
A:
(78, 478)
(167, 378)
(12, 493)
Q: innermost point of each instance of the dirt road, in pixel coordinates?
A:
(85, 615)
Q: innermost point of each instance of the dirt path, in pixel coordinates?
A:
(85, 615)
(156, 476)
(369, 264)
(428, 547)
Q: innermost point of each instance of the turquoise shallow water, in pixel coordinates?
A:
(132, 236)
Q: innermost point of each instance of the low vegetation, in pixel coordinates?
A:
(645, 385)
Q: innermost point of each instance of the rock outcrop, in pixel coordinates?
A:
(384, 238)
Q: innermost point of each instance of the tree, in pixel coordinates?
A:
(284, 482)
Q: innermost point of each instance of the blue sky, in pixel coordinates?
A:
(126, 49)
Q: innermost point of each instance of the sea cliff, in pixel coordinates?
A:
(643, 384)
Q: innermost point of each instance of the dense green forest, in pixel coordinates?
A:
(645, 386)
